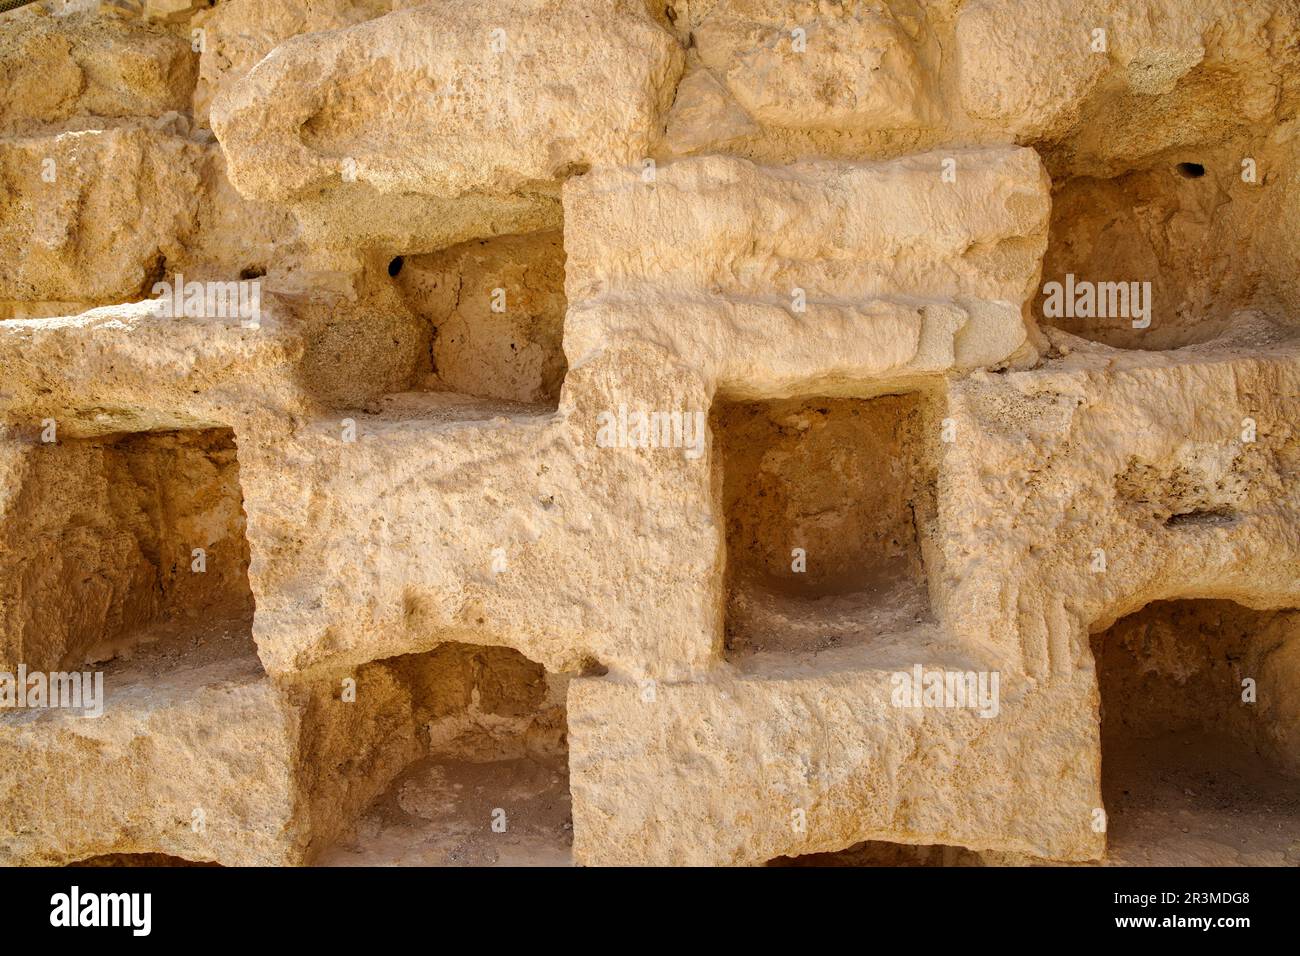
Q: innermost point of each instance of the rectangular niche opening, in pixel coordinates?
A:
(127, 553)
(1193, 773)
(483, 779)
(825, 502)
(1111, 261)
(495, 308)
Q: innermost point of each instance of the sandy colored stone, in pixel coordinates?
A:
(823, 739)
(449, 573)
(432, 578)
(52, 70)
(289, 772)
(486, 125)
(1173, 504)
(1157, 74)
(1156, 662)
(818, 276)
(1166, 75)
(850, 66)
(1033, 77)
(129, 368)
(497, 314)
(239, 33)
(134, 367)
(71, 229)
(1191, 510)
(131, 780)
(1166, 225)
(704, 116)
(80, 238)
(100, 539)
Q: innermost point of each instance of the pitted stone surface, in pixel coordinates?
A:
(640, 404)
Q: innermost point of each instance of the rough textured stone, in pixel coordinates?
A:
(814, 65)
(497, 314)
(52, 70)
(1180, 506)
(1096, 70)
(115, 524)
(825, 741)
(303, 121)
(1191, 509)
(818, 276)
(128, 368)
(461, 565)
(287, 772)
(74, 227)
(131, 780)
(239, 33)
(642, 398)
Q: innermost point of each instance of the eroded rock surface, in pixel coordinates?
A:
(499, 102)
(720, 432)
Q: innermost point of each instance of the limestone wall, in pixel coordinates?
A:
(586, 430)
